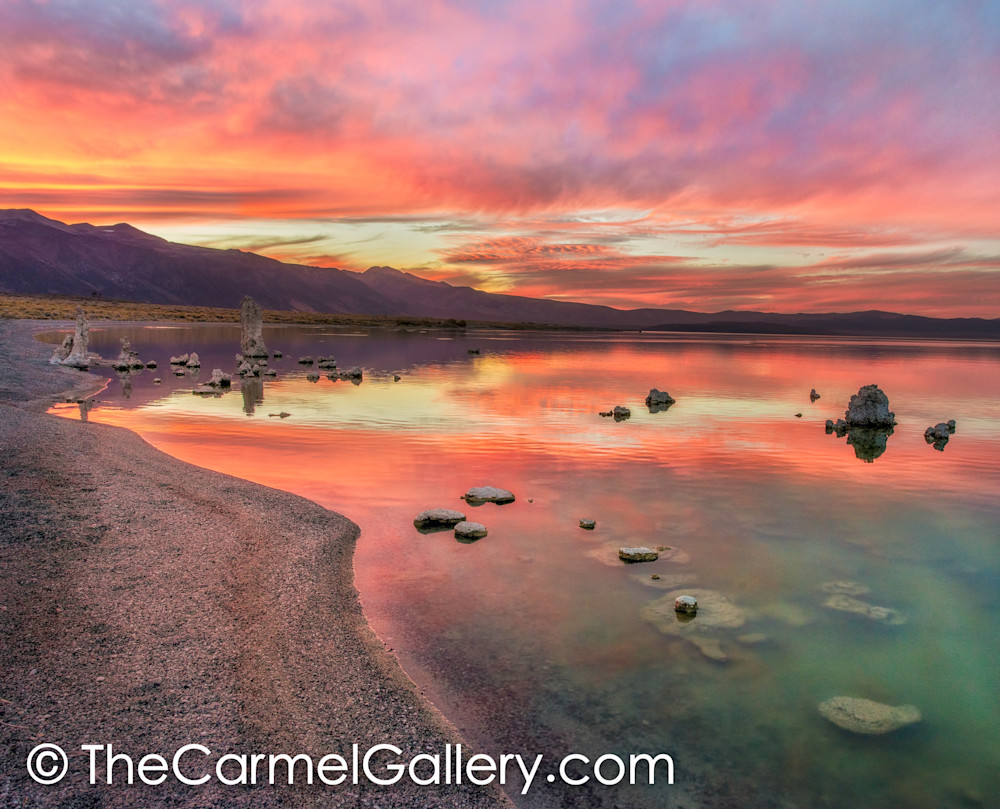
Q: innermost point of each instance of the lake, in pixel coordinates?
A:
(537, 639)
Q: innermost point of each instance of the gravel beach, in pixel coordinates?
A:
(151, 604)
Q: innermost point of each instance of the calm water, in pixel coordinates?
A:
(537, 639)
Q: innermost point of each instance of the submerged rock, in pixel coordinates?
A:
(277, 354)
(884, 615)
(151, 364)
(438, 517)
(869, 407)
(251, 329)
(866, 717)
(270, 372)
(311, 377)
(396, 377)
(470, 530)
(638, 554)
(844, 588)
(306, 360)
(488, 494)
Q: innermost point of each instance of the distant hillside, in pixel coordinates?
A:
(43, 256)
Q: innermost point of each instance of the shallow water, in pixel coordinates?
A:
(537, 639)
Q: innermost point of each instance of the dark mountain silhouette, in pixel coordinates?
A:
(43, 256)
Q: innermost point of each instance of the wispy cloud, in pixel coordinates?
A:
(729, 132)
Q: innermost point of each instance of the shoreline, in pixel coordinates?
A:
(151, 603)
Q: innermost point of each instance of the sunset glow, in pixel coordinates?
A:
(775, 156)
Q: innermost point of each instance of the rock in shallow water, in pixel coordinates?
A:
(707, 630)
(589, 525)
(470, 530)
(488, 494)
(867, 717)
(251, 329)
(638, 554)
(686, 604)
(620, 413)
(434, 517)
(869, 407)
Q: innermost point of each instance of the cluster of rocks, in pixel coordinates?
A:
(253, 367)
(438, 519)
(191, 360)
(939, 434)
(326, 362)
(619, 413)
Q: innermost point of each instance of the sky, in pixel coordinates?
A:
(779, 155)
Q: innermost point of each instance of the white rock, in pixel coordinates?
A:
(193, 360)
(181, 360)
(470, 530)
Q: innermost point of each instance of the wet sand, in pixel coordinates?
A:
(151, 604)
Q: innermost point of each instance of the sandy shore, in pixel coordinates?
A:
(151, 604)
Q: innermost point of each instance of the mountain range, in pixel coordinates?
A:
(39, 255)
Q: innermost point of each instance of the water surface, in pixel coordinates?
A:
(537, 639)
